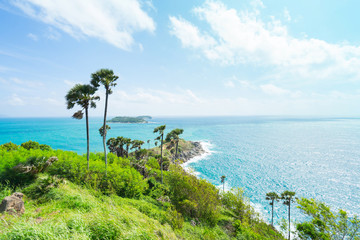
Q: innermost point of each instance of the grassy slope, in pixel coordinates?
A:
(72, 212)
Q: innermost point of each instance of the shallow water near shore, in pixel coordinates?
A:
(315, 157)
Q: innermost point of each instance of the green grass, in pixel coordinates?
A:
(68, 201)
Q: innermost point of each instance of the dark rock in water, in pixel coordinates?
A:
(13, 204)
(197, 150)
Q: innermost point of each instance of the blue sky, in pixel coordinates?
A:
(193, 58)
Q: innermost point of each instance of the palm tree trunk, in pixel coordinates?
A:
(224, 187)
(127, 151)
(176, 150)
(104, 127)
(87, 137)
(289, 220)
(272, 213)
(162, 136)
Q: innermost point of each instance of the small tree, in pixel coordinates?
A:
(82, 95)
(288, 198)
(272, 197)
(160, 130)
(223, 182)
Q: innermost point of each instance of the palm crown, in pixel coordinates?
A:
(105, 77)
(82, 95)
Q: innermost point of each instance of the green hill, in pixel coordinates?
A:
(67, 201)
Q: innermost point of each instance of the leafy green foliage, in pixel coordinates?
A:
(30, 145)
(325, 224)
(9, 146)
(195, 198)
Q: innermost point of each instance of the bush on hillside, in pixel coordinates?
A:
(121, 179)
(9, 146)
(193, 197)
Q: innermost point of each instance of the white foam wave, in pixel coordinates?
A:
(207, 146)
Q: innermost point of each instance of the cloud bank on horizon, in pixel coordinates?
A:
(212, 58)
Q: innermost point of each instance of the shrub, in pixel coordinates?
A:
(198, 194)
(30, 145)
(176, 220)
(42, 186)
(102, 229)
(9, 146)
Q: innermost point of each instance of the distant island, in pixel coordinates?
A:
(139, 119)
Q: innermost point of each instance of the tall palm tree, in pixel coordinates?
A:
(82, 95)
(174, 136)
(106, 78)
(160, 130)
(288, 198)
(223, 182)
(272, 197)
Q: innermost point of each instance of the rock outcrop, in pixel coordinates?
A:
(197, 150)
(13, 204)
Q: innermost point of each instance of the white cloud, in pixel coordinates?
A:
(189, 34)
(15, 100)
(52, 34)
(152, 96)
(69, 83)
(271, 89)
(33, 37)
(112, 21)
(287, 15)
(229, 84)
(242, 37)
(26, 83)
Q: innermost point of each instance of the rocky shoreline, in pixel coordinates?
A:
(195, 151)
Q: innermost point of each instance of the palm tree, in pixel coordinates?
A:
(288, 198)
(101, 130)
(160, 130)
(223, 182)
(136, 144)
(82, 95)
(106, 78)
(112, 145)
(272, 197)
(174, 136)
(127, 142)
(121, 143)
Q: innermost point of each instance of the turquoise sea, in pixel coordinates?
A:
(315, 157)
